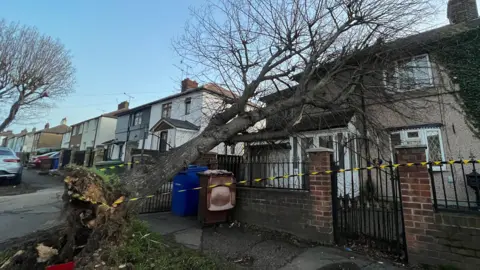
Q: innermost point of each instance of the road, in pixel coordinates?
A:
(25, 213)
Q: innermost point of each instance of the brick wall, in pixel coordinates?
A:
(306, 214)
(437, 238)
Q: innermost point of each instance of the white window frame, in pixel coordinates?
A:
(188, 106)
(397, 83)
(167, 110)
(137, 116)
(423, 133)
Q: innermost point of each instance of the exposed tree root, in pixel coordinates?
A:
(91, 222)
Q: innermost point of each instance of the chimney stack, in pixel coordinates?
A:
(47, 125)
(188, 84)
(123, 105)
(460, 11)
(64, 121)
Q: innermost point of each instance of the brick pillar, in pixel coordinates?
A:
(60, 158)
(72, 156)
(86, 160)
(321, 193)
(416, 200)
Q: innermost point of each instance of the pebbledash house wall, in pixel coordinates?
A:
(436, 105)
(434, 237)
(307, 214)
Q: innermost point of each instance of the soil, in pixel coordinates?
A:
(89, 225)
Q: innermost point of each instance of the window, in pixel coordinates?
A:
(137, 118)
(86, 127)
(188, 105)
(75, 130)
(163, 141)
(431, 137)
(325, 141)
(80, 129)
(409, 74)
(166, 110)
(232, 150)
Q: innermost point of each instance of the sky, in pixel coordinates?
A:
(118, 47)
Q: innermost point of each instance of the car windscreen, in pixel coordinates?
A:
(4, 152)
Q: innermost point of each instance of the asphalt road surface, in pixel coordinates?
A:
(26, 213)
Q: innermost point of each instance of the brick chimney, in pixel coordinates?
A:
(123, 105)
(459, 11)
(64, 121)
(188, 84)
(47, 125)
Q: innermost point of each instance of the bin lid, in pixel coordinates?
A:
(194, 168)
(215, 172)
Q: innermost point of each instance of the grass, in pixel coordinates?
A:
(147, 250)
(109, 178)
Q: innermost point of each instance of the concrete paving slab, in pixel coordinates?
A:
(166, 223)
(191, 237)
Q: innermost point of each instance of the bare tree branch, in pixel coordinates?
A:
(35, 70)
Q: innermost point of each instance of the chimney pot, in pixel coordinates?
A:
(47, 125)
(460, 11)
(64, 121)
(123, 105)
(188, 84)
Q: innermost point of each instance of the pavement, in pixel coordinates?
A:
(250, 249)
(26, 213)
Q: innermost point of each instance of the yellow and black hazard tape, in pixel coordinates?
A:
(119, 165)
(243, 182)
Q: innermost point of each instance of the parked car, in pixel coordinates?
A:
(35, 161)
(10, 166)
(43, 151)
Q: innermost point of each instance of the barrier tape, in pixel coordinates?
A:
(286, 176)
(120, 166)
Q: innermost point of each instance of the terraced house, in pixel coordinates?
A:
(94, 131)
(171, 121)
(428, 100)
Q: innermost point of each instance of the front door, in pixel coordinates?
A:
(163, 141)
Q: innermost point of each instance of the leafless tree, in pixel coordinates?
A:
(35, 70)
(320, 50)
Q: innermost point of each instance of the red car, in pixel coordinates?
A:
(35, 161)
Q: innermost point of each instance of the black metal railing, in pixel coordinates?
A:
(263, 173)
(161, 202)
(367, 208)
(455, 185)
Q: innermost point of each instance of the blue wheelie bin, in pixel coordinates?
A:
(186, 203)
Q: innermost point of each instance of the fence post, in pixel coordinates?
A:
(321, 193)
(416, 199)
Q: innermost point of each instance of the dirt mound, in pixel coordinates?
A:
(95, 216)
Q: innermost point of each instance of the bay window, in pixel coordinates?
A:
(430, 137)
